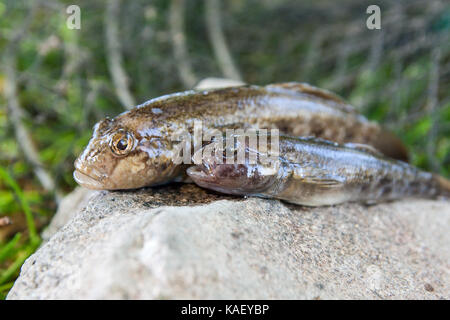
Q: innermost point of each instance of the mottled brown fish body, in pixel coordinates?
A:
(294, 108)
(314, 172)
(136, 148)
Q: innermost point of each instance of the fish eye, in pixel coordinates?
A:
(122, 143)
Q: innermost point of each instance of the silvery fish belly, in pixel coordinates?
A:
(315, 172)
(136, 148)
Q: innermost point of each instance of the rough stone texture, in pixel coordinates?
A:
(180, 242)
(68, 207)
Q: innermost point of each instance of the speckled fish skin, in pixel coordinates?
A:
(295, 108)
(315, 172)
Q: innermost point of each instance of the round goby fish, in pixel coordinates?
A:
(136, 148)
(316, 172)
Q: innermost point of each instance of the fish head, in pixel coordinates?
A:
(118, 157)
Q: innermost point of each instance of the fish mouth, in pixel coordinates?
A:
(87, 181)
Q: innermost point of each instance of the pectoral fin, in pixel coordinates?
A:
(324, 182)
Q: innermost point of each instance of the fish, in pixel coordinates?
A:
(315, 172)
(136, 148)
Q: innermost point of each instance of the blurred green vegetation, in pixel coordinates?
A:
(398, 76)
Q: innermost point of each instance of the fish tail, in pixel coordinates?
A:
(390, 145)
(443, 185)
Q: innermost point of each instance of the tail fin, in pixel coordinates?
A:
(443, 184)
(390, 145)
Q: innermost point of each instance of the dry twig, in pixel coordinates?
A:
(217, 39)
(432, 107)
(176, 22)
(16, 112)
(114, 55)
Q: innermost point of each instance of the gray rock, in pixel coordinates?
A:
(181, 242)
(69, 206)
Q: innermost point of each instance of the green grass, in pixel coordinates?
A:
(14, 252)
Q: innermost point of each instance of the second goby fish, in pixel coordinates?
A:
(315, 172)
(135, 148)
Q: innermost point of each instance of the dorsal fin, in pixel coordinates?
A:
(364, 148)
(305, 88)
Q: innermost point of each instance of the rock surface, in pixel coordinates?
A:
(69, 206)
(181, 242)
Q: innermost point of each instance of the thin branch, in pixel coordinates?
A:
(397, 92)
(376, 50)
(16, 112)
(114, 55)
(340, 71)
(176, 22)
(312, 56)
(432, 107)
(391, 19)
(23, 137)
(217, 39)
